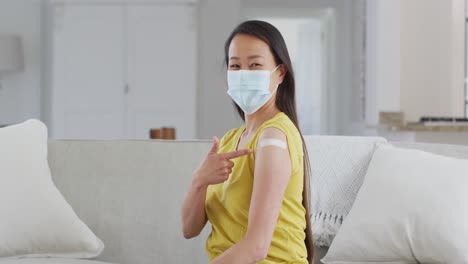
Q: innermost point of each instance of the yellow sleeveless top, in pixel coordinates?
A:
(227, 204)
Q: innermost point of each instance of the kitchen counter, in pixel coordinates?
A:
(430, 128)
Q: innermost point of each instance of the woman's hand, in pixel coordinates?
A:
(213, 170)
(216, 168)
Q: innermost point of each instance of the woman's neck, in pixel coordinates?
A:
(255, 120)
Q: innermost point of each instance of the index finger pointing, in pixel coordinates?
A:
(237, 153)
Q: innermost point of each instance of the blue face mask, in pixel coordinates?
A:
(249, 89)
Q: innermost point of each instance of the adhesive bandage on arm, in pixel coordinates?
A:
(272, 142)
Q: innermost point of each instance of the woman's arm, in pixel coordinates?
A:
(272, 173)
(193, 209)
(215, 169)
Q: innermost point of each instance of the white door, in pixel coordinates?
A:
(88, 70)
(311, 93)
(161, 69)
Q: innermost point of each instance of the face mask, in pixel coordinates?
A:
(249, 89)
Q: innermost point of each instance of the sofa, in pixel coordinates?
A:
(129, 192)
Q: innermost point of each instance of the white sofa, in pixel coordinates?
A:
(130, 194)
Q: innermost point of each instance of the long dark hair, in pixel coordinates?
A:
(285, 98)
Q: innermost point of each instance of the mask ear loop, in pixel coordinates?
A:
(275, 68)
(279, 83)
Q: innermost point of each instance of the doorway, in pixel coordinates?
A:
(308, 36)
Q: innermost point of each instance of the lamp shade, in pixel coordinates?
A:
(11, 54)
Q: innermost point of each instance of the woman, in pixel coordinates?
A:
(253, 185)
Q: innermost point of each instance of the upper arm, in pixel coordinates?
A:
(271, 177)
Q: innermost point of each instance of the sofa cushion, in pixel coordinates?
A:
(338, 165)
(35, 219)
(129, 192)
(412, 208)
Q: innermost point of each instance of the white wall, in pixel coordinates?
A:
(415, 58)
(219, 17)
(432, 58)
(215, 112)
(382, 58)
(21, 96)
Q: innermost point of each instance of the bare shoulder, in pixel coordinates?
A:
(272, 132)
